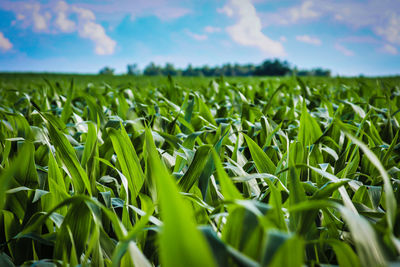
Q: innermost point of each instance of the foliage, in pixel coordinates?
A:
(267, 68)
(272, 68)
(319, 72)
(133, 69)
(107, 71)
(138, 171)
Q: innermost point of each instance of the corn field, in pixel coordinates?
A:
(203, 172)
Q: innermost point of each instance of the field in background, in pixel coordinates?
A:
(141, 171)
(18, 80)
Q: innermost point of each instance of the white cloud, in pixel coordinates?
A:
(164, 10)
(345, 51)
(304, 11)
(390, 31)
(5, 44)
(248, 29)
(104, 45)
(60, 17)
(29, 13)
(88, 28)
(40, 20)
(83, 13)
(198, 37)
(389, 49)
(382, 17)
(227, 10)
(62, 22)
(283, 39)
(170, 13)
(308, 39)
(211, 29)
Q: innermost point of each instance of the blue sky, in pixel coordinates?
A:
(349, 37)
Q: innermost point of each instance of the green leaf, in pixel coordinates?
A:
(345, 196)
(309, 130)
(390, 200)
(137, 258)
(228, 189)
(209, 168)
(293, 247)
(273, 242)
(78, 223)
(7, 175)
(327, 189)
(275, 200)
(57, 187)
(66, 154)
(67, 107)
(128, 160)
(296, 195)
(5, 260)
(368, 247)
(181, 243)
(192, 175)
(344, 254)
(262, 161)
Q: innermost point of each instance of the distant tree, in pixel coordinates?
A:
(107, 70)
(303, 73)
(244, 70)
(239, 70)
(152, 70)
(133, 69)
(267, 68)
(198, 71)
(169, 69)
(322, 72)
(217, 71)
(190, 71)
(314, 72)
(273, 68)
(228, 70)
(207, 71)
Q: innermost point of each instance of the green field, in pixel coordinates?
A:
(149, 171)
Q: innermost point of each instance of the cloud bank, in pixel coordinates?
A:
(382, 17)
(60, 17)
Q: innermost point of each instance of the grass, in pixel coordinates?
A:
(138, 171)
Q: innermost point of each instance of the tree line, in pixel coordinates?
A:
(274, 67)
